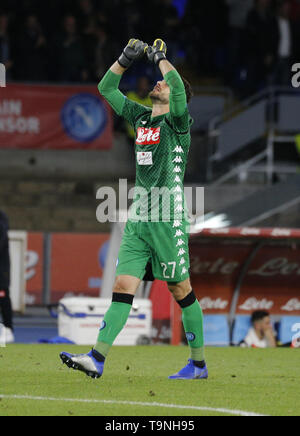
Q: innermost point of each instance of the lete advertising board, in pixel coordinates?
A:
(271, 282)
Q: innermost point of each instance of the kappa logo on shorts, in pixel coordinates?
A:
(147, 136)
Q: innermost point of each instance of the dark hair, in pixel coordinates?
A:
(188, 89)
(258, 316)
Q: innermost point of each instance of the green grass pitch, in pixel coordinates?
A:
(33, 382)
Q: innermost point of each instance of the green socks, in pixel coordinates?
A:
(114, 322)
(192, 318)
(118, 313)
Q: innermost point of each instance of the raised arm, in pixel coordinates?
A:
(178, 98)
(178, 101)
(109, 85)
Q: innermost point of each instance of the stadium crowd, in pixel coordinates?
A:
(244, 43)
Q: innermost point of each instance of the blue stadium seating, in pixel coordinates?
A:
(285, 329)
(216, 330)
(241, 327)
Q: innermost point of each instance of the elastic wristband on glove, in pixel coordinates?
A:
(159, 57)
(124, 61)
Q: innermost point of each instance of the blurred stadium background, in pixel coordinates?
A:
(60, 142)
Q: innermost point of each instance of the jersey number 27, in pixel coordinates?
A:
(166, 270)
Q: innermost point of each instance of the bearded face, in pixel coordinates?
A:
(160, 93)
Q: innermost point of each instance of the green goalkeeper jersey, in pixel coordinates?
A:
(161, 148)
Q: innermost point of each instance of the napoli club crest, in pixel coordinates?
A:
(84, 117)
(190, 337)
(103, 325)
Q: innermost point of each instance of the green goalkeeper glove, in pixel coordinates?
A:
(157, 52)
(135, 49)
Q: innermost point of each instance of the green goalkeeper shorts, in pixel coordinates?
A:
(163, 244)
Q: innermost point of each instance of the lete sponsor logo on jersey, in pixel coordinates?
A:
(147, 136)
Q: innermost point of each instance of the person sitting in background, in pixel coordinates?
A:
(5, 45)
(69, 53)
(169, 25)
(104, 51)
(261, 334)
(32, 59)
(261, 45)
(85, 12)
(5, 302)
(238, 11)
(295, 10)
(286, 42)
(141, 96)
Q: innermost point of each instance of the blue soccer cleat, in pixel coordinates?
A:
(191, 372)
(86, 363)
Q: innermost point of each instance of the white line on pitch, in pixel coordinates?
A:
(133, 403)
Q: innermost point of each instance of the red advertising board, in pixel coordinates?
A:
(271, 281)
(34, 268)
(54, 117)
(77, 264)
(251, 233)
(215, 268)
(161, 298)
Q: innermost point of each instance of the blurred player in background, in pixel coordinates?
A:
(5, 302)
(159, 235)
(141, 96)
(261, 334)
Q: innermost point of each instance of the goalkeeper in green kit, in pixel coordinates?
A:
(156, 233)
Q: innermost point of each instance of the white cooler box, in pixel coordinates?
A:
(79, 320)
